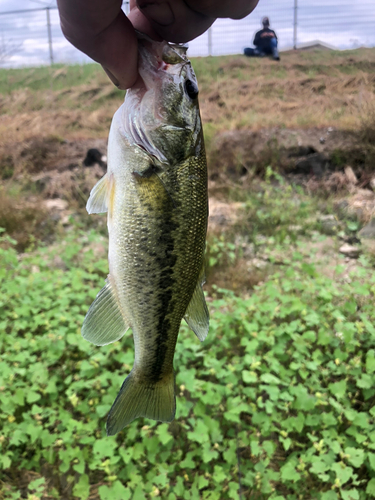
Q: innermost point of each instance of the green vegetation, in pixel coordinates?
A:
(277, 403)
(275, 209)
(56, 77)
(59, 76)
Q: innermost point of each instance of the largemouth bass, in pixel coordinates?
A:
(155, 193)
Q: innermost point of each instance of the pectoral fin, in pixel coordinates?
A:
(104, 323)
(100, 195)
(197, 316)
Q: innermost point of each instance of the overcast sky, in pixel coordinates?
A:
(341, 23)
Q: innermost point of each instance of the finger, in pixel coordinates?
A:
(235, 9)
(116, 48)
(141, 23)
(174, 21)
(102, 31)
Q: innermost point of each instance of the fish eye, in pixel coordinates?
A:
(191, 89)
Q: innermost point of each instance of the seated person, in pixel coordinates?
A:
(265, 42)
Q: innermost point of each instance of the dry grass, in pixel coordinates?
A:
(293, 94)
(305, 89)
(252, 110)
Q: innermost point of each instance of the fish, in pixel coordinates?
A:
(155, 196)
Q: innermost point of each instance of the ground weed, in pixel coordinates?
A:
(278, 401)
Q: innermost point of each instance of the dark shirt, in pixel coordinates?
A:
(263, 37)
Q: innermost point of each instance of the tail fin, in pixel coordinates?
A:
(142, 399)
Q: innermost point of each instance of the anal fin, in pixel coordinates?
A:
(196, 315)
(104, 323)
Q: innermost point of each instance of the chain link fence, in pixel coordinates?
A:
(33, 37)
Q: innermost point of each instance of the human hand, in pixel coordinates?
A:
(100, 29)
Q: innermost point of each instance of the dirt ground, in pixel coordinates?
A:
(310, 118)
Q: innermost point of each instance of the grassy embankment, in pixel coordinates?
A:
(45, 112)
(278, 402)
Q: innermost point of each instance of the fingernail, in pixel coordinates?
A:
(112, 77)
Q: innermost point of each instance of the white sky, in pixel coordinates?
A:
(341, 23)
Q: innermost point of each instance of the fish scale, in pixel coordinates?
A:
(155, 192)
(170, 257)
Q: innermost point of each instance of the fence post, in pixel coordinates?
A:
(49, 35)
(126, 7)
(295, 25)
(209, 34)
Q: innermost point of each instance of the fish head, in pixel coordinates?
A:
(161, 111)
